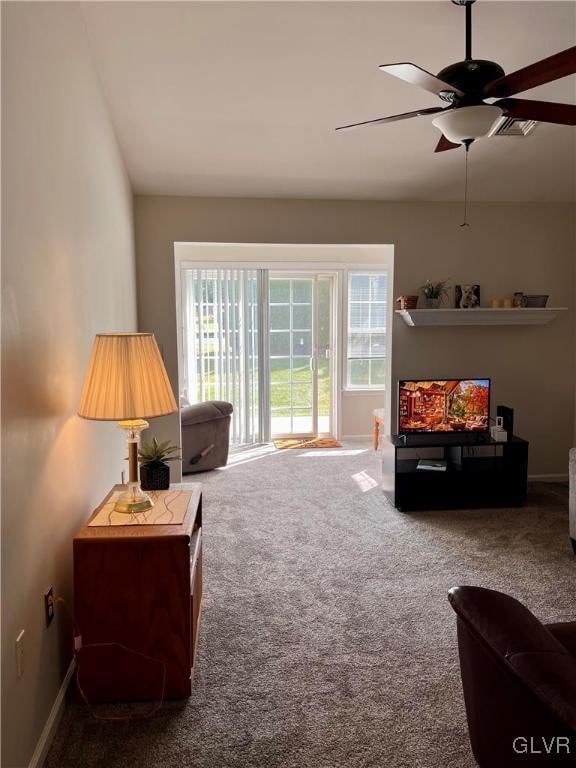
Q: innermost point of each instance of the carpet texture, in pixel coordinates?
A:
(327, 639)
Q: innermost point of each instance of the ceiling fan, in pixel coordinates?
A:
(464, 86)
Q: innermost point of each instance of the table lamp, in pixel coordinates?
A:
(127, 382)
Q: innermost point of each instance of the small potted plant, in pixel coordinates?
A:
(434, 293)
(154, 472)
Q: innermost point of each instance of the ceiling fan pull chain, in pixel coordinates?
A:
(467, 143)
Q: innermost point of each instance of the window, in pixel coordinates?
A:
(367, 307)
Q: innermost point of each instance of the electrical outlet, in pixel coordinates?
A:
(49, 606)
(20, 654)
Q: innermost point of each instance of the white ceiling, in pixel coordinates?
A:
(242, 98)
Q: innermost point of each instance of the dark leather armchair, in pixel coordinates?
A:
(205, 435)
(519, 681)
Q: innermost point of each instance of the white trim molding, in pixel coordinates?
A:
(49, 731)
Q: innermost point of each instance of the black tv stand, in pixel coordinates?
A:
(480, 472)
(436, 439)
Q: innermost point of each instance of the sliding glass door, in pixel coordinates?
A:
(301, 331)
(325, 357)
(262, 340)
(292, 380)
(221, 336)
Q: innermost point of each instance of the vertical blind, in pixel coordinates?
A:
(221, 344)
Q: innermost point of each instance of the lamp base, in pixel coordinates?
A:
(133, 500)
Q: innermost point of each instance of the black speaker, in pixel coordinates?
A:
(507, 415)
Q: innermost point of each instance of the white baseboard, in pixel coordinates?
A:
(49, 731)
(549, 478)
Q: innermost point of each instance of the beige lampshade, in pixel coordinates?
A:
(126, 379)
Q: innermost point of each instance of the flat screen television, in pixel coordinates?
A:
(430, 405)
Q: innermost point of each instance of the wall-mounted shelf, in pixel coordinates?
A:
(480, 316)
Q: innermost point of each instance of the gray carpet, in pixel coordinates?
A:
(327, 639)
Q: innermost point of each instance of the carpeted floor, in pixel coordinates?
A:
(327, 639)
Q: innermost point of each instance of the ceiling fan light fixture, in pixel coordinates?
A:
(467, 123)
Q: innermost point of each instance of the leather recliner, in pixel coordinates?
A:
(204, 425)
(519, 681)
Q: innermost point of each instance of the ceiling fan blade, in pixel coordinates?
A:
(543, 111)
(415, 75)
(443, 145)
(544, 71)
(394, 118)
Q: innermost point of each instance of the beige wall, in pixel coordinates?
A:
(507, 247)
(67, 273)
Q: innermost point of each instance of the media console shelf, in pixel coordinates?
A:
(479, 473)
(480, 316)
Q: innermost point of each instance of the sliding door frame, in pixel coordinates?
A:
(263, 359)
(336, 278)
(336, 270)
(340, 258)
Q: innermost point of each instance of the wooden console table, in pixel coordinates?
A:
(137, 603)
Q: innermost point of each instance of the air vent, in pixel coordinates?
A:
(512, 126)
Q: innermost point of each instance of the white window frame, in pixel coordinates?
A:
(342, 258)
(350, 272)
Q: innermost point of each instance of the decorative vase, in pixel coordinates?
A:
(432, 303)
(155, 476)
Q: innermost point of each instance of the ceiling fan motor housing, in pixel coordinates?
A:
(470, 77)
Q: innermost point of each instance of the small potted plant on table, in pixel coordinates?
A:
(434, 293)
(154, 472)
